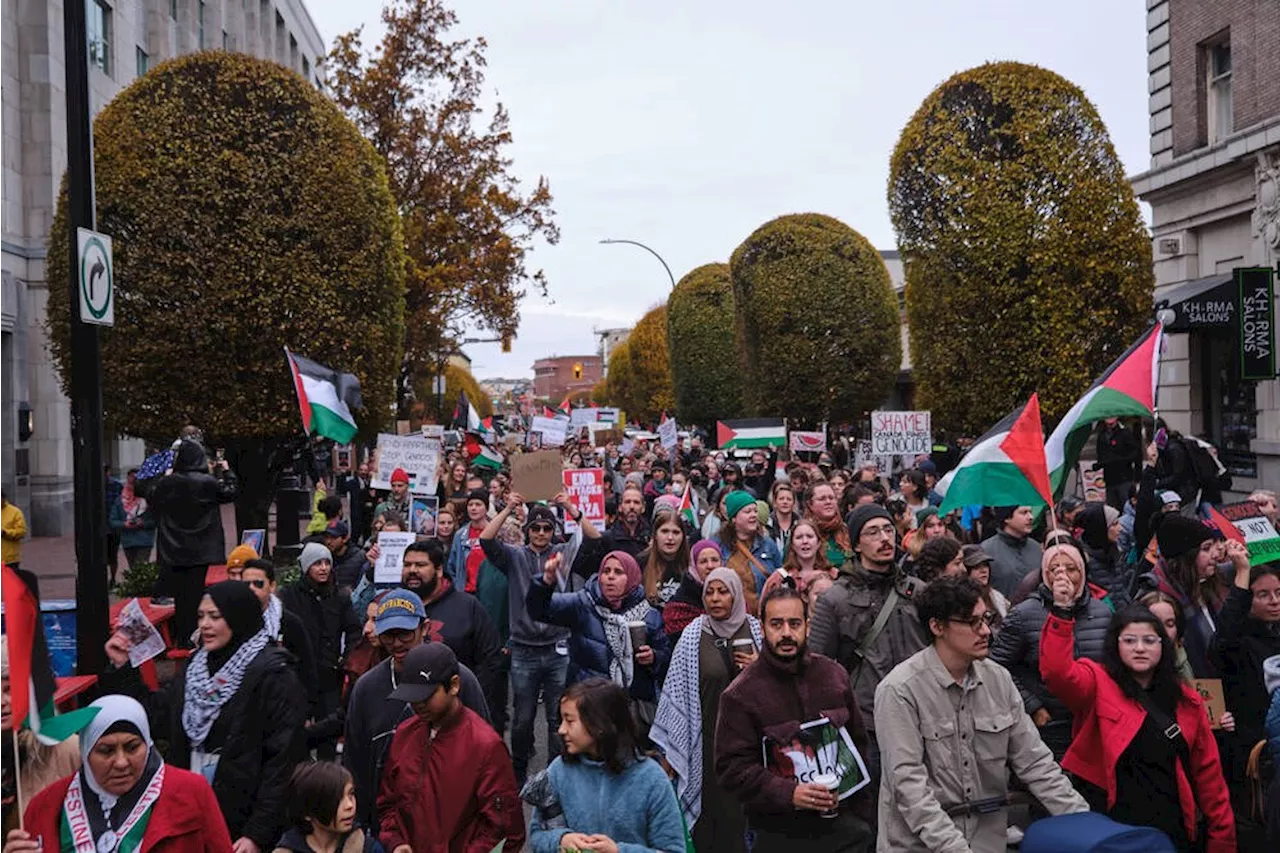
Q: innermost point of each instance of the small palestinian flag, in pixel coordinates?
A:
(566, 406)
(325, 398)
(481, 456)
(1126, 389)
(30, 676)
(751, 433)
(1005, 467)
(465, 416)
(686, 507)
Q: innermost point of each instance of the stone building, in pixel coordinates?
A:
(126, 37)
(1214, 191)
(556, 377)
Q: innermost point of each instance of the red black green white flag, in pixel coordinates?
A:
(1126, 389)
(1005, 467)
(31, 681)
(325, 398)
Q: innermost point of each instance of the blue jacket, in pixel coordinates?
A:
(132, 537)
(636, 808)
(589, 651)
(1271, 680)
(766, 551)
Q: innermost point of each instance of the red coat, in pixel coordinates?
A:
(184, 819)
(456, 793)
(1106, 722)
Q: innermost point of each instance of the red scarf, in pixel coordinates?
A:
(836, 529)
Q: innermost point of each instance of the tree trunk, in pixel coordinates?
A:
(258, 463)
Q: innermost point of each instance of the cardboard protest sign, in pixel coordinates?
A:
(808, 442)
(418, 456)
(1210, 690)
(537, 475)
(901, 433)
(585, 488)
(551, 429)
(1259, 536)
(669, 433)
(391, 556)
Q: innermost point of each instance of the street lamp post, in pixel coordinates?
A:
(650, 251)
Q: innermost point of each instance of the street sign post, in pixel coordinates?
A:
(96, 276)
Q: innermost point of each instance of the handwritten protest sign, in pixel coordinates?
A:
(808, 442)
(433, 431)
(669, 433)
(585, 488)
(1210, 690)
(536, 476)
(391, 556)
(1259, 536)
(418, 456)
(578, 417)
(901, 433)
(552, 430)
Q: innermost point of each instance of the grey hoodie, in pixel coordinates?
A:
(1271, 673)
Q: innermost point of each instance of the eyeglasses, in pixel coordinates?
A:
(257, 584)
(1266, 595)
(1130, 641)
(540, 528)
(976, 622)
(873, 532)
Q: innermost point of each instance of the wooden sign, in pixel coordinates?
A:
(1210, 690)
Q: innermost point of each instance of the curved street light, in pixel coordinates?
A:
(650, 251)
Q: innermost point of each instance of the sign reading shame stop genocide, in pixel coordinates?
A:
(901, 433)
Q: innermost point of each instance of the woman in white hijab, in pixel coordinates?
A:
(711, 652)
(124, 799)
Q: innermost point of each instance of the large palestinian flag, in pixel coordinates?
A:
(1126, 389)
(325, 398)
(751, 433)
(31, 680)
(1006, 467)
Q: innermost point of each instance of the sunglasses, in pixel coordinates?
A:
(257, 584)
(540, 528)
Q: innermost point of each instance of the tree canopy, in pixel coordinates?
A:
(816, 320)
(651, 394)
(1028, 266)
(700, 340)
(247, 214)
(469, 225)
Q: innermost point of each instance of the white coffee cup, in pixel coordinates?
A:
(831, 782)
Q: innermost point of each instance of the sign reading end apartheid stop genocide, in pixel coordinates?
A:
(418, 456)
(901, 433)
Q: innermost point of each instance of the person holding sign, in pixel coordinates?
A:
(1143, 746)
(951, 726)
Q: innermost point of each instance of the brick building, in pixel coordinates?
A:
(1214, 191)
(125, 39)
(556, 377)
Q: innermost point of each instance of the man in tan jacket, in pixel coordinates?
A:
(951, 725)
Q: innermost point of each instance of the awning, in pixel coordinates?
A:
(1201, 303)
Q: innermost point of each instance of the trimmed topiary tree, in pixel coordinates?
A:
(651, 393)
(700, 343)
(618, 381)
(247, 214)
(1028, 265)
(816, 320)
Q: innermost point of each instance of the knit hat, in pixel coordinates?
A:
(400, 476)
(541, 514)
(1177, 535)
(859, 517)
(736, 502)
(670, 502)
(240, 555)
(923, 515)
(312, 552)
(478, 495)
(700, 546)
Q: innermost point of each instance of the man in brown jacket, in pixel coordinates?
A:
(789, 739)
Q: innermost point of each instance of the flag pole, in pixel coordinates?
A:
(17, 777)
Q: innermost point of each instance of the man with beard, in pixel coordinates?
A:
(790, 700)
(867, 620)
(399, 502)
(332, 625)
(454, 617)
(372, 715)
(630, 532)
(951, 726)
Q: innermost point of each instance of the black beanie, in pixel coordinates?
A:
(540, 513)
(859, 517)
(481, 495)
(1177, 535)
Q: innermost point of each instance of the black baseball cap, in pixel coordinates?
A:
(426, 667)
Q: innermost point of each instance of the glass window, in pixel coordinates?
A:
(144, 62)
(200, 18)
(173, 9)
(1220, 111)
(98, 27)
(1230, 403)
(226, 40)
(306, 67)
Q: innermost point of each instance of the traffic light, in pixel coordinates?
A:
(577, 371)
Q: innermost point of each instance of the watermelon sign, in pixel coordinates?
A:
(808, 442)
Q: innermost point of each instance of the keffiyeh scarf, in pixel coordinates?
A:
(205, 694)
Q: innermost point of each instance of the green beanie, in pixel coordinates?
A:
(737, 502)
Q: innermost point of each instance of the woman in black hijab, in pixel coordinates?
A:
(235, 715)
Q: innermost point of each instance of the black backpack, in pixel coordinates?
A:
(1204, 467)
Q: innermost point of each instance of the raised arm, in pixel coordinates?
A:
(1075, 683)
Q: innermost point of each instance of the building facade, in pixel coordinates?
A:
(126, 38)
(559, 376)
(1214, 191)
(610, 340)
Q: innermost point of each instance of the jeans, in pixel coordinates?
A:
(534, 669)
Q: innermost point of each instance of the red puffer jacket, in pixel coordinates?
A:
(1106, 722)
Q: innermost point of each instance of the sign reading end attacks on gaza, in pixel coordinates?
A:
(901, 433)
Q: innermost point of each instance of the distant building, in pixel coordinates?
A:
(556, 377)
(611, 339)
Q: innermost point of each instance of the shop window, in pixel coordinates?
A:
(1219, 108)
(98, 24)
(1230, 403)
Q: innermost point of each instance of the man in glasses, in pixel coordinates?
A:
(284, 628)
(867, 620)
(951, 726)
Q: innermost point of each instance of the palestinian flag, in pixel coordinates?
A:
(30, 676)
(465, 416)
(548, 413)
(751, 433)
(326, 398)
(686, 507)
(1005, 467)
(480, 455)
(1126, 389)
(566, 406)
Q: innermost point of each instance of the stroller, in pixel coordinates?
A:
(1091, 832)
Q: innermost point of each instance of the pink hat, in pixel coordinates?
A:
(697, 549)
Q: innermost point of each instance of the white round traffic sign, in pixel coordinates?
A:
(97, 286)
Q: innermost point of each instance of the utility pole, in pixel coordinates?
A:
(92, 619)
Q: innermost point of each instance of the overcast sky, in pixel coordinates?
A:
(685, 124)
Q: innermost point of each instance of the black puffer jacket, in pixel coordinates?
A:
(1239, 648)
(1017, 646)
(1104, 567)
(331, 623)
(187, 508)
(259, 733)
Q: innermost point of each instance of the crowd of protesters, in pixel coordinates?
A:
(746, 655)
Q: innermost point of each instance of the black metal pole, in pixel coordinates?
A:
(92, 618)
